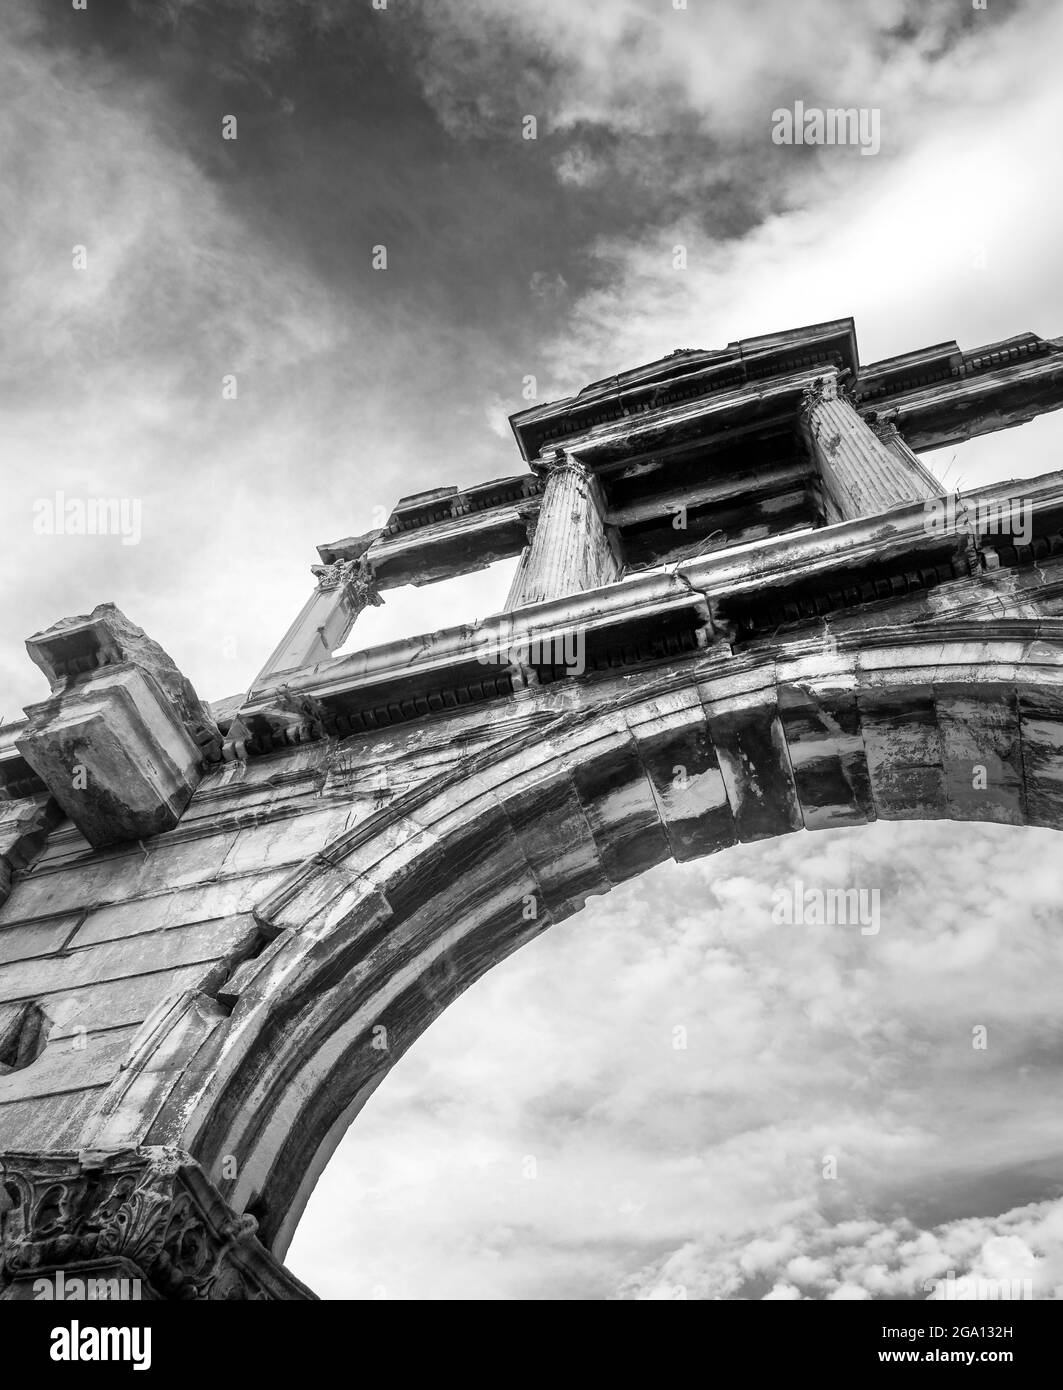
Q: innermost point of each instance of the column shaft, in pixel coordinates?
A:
(344, 589)
(861, 474)
(571, 549)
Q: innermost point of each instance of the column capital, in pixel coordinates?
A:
(570, 548)
(354, 577)
(884, 427)
(562, 462)
(824, 388)
(147, 1214)
(344, 588)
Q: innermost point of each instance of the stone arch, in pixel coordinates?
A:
(587, 784)
(236, 917)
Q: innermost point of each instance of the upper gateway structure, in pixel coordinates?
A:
(695, 453)
(743, 606)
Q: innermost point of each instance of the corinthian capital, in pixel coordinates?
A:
(354, 577)
(884, 428)
(148, 1215)
(561, 463)
(824, 388)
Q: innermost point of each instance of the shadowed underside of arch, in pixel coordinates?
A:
(572, 790)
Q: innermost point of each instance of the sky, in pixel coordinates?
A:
(554, 1136)
(656, 1169)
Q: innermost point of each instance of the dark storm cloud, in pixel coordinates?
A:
(403, 127)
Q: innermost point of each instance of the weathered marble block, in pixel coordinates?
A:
(123, 740)
(115, 754)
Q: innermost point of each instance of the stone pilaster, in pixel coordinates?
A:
(132, 1223)
(861, 475)
(571, 549)
(344, 588)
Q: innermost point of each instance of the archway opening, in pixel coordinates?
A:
(699, 1086)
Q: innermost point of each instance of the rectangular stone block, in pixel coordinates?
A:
(681, 763)
(118, 1002)
(159, 951)
(822, 729)
(287, 840)
(41, 938)
(115, 754)
(982, 755)
(621, 809)
(70, 1064)
(1041, 721)
(48, 1123)
(202, 903)
(555, 837)
(904, 754)
(751, 747)
(118, 876)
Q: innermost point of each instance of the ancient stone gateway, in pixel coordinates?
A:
(741, 608)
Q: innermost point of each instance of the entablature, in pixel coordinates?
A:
(720, 600)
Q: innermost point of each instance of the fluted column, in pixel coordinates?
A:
(571, 549)
(861, 474)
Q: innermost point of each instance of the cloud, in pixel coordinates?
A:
(112, 375)
(671, 111)
(632, 64)
(579, 167)
(168, 265)
(497, 413)
(1020, 1251)
(551, 289)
